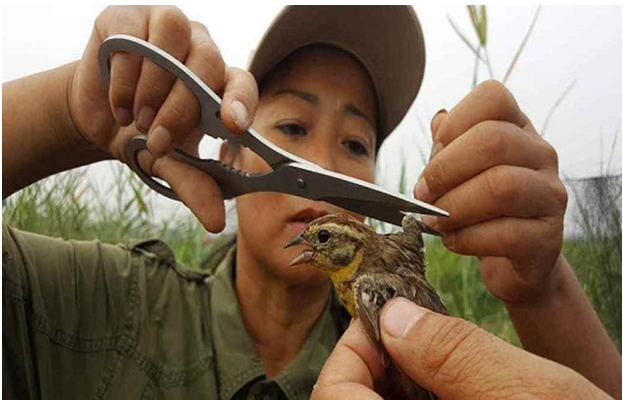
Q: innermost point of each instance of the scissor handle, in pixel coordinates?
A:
(209, 101)
(231, 182)
(131, 150)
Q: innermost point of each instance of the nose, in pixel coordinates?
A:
(323, 152)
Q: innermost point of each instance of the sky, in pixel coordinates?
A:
(578, 46)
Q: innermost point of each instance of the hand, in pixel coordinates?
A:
(447, 355)
(144, 97)
(499, 180)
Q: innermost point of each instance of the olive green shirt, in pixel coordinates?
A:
(92, 320)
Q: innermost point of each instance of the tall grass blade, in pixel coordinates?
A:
(464, 38)
(521, 46)
(555, 106)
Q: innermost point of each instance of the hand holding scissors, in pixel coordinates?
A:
(290, 174)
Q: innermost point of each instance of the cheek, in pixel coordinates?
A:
(263, 233)
(248, 161)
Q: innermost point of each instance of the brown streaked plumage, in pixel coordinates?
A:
(367, 270)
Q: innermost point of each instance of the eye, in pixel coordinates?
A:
(356, 147)
(292, 129)
(324, 236)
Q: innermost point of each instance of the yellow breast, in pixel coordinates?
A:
(343, 282)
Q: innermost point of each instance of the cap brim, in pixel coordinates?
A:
(387, 40)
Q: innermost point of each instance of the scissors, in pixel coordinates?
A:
(290, 174)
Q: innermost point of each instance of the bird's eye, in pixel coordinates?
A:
(324, 236)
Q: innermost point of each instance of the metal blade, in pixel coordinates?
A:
(312, 182)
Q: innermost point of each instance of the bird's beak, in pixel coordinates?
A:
(302, 258)
(305, 256)
(298, 239)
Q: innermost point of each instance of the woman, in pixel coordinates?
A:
(129, 322)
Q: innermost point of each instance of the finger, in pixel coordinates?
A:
(125, 68)
(180, 112)
(520, 239)
(457, 360)
(240, 99)
(490, 100)
(436, 121)
(169, 29)
(447, 355)
(196, 189)
(482, 147)
(434, 127)
(500, 191)
(351, 369)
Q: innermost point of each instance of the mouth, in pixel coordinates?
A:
(301, 219)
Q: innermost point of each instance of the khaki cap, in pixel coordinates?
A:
(387, 40)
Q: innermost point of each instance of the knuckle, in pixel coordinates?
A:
(447, 358)
(490, 138)
(502, 184)
(121, 93)
(494, 88)
(550, 155)
(560, 195)
(173, 21)
(156, 93)
(211, 67)
(181, 115)
(514, 237)
(436, 175)
(199, 28)
(496, 93)
(245, 87)
(553, 229)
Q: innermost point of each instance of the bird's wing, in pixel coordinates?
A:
(373, 290)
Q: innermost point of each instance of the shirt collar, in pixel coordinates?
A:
(237, 362)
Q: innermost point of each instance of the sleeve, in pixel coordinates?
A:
(57, 294)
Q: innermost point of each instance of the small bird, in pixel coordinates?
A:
(367, 270)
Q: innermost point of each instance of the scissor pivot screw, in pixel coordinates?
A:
(300, 183)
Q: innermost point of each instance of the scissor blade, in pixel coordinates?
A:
(312, 182)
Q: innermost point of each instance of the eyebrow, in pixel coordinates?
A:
(352, 110)
(313, 99)
(308, 97)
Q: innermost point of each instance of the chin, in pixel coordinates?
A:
(303, 275)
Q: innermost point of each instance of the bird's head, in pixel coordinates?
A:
(335, 242)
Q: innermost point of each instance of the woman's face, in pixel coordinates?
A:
(321, 107)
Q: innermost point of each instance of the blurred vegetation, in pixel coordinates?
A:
(70, 206)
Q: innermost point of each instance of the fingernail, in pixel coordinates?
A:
(421, 190)
(400, 316)
(240, 114)
(159, 140)
(145, 118)
(443, 110)
(448, 240)
(437, 146)
(123, 116)
(430, 221)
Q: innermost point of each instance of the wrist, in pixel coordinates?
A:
(549, 291)
(69, 133)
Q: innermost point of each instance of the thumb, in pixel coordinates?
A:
(447, 355)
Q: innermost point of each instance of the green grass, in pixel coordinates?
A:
(68, 205)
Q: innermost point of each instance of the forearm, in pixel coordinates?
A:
(564, 327)
(39, 138)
